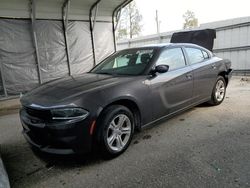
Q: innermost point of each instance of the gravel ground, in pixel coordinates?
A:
(203, 147)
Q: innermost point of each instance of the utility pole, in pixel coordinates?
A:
(157, 22)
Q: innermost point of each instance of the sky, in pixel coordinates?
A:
(170, 12)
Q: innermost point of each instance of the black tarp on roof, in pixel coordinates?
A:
(204, 38)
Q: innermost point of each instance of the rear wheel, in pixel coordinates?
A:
(219, 92)
(116, 130)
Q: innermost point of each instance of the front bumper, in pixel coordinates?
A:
(64, 137)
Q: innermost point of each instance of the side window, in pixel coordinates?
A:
(194, 55)
(205, 54)
(174, 58)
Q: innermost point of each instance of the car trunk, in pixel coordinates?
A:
(204, 37)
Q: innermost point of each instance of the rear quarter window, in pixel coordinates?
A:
(195, 55)
(205, 54)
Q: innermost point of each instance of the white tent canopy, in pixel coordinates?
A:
(51, 9)
(42, 40)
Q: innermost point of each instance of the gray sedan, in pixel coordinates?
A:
(129, 90)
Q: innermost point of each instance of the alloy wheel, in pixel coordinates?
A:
(219, 90)
(119, 132)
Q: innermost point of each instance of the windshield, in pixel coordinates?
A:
(125, 62)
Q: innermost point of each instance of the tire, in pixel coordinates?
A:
(116, 129)
(219, 92)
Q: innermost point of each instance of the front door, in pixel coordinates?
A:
(171, 91)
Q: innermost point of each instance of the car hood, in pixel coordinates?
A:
(66, 90)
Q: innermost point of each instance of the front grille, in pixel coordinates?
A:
(41, 114)
(39, 136)
(46, 137)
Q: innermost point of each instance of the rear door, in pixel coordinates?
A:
(204, 72)
(172, 90)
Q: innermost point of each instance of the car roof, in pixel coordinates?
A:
(164, 45)
(173, 44)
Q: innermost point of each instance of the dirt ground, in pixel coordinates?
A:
(203, 147)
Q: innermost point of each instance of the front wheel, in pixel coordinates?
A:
(219, 92)
(116, 130)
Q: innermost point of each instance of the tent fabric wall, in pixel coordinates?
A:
(17, 52)
(17, 56)
(80, 51)
(104, 42)
(20, 54)
(51, 49)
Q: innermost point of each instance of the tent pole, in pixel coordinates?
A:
(3, 81)
(114, 15)
(113, 30)
(94, 21)
(91, 24)
(33, 22)
(65, 13)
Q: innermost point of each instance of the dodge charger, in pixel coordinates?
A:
(129, 90)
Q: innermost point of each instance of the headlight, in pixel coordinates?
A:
(69, 113)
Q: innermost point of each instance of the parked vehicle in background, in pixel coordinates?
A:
(129, 90)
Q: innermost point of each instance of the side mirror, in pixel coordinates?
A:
(160, 69)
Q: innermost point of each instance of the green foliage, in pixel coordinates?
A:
(129, 24)
(190, 20)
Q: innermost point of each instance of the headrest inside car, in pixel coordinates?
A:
(145, 58)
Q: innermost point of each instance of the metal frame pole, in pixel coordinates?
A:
(94, 21)
(115, 21)
(3, 81)
(65, 12)
(33, 26)
(116, 15)
(92, 24)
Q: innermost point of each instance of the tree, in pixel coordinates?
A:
(130, 22)
(190, 20)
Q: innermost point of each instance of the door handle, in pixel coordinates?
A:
(189, 76)
(214, 66)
